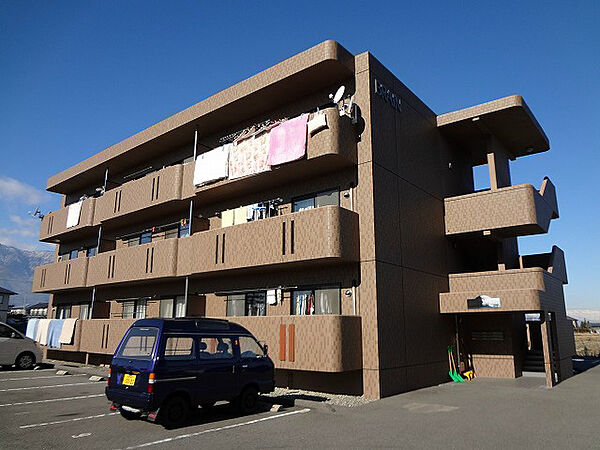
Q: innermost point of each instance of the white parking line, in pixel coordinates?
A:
(41, 378)
(21, 371)
(47, 387)
(77, 419)
(77, 436)
(214, 430)
(62, 399)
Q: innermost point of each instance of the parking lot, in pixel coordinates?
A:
(40, 409)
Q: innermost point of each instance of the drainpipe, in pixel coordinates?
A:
(90, 315)
(195, 143)
(187, 284)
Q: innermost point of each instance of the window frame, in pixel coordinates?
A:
(193, 351)
(314, 289)
(314, 197)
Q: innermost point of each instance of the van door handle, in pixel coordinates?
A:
(244, 366)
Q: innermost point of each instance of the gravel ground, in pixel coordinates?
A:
(331, 399)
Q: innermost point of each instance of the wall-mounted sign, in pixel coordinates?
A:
(388, 96)
(483, 301)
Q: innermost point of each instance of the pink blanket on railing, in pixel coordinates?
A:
(288, 141)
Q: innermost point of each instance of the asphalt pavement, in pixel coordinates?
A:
(39, 409)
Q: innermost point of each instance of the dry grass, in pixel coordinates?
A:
(587, 344)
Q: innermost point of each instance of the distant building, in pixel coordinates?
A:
(4, 298)
(39, 310)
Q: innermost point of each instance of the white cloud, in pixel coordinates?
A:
(12, 190)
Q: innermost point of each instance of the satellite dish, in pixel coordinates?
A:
(335, 98)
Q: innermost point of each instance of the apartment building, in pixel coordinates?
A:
(359, 252)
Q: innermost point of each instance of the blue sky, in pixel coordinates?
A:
(80, 76)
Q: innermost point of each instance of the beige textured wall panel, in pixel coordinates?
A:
(327, 343)
(103, 335)
(54, 224)
(148, 261)
(154, 189)
(61, 275)
(326, 233)
(514, 210)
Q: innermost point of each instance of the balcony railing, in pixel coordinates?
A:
(510, 211)
(156, 188)
(54, 224)
(528, 288)
(62, 275)
(148, 261)
(326, 234)
(327, 343)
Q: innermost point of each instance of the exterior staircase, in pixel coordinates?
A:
(534, 361)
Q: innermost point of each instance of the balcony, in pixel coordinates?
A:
(535, 286)
(322, 235)
(54, 224)
(101, 335)
(148, 261)
(62, 275)
(508, 212)
(157, 188)
(327, 150)
(328, 343)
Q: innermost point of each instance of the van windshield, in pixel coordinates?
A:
(139, 343)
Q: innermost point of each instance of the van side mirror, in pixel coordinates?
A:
(265, 349)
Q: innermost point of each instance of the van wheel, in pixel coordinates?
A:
(248, 400)
(174, 412)
(128, 415)
(25, 361)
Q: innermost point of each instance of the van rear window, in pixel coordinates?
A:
(139, 343)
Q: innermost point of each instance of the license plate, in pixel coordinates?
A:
(129, 380)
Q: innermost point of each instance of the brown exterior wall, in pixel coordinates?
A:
(406, 191)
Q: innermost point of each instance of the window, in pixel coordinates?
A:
(63, 311)
(316, 301)
(73, 254)
(249, 348)
(139, 343)
(330, 197)
(133, 241)
(184, 228)
(146, 237)
(179, 348)
(134, 309)
(249, 304)
(171, 233)
(215, 348)
(170, 308)
(91, 251)
(5, 332)
(236, 305)
(166, 308)
(84, 311)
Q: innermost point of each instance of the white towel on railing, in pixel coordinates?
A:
(42, 331)
(73, 214)
(212, 165)
(66, 335)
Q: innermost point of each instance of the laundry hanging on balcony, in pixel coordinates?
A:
(249, 156)
(73, 214)
(32, 325)
(54, 331)
(212, 166)
(66, 335)
(42, 331)
(288, 141)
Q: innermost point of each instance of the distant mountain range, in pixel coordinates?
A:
(16, 273)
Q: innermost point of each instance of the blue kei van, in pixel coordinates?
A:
(164, 368)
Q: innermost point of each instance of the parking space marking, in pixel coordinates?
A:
(42, 378)
(46, 387)
(21, 371)
(214, 430)
(76, 419)
(77, 436)
(62, 399)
